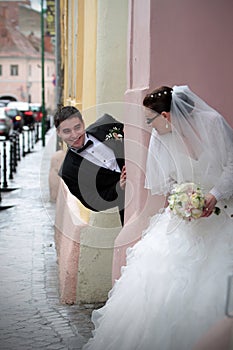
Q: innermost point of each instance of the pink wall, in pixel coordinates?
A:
(175, 42)
(191, 43)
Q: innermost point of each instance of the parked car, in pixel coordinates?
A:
(25, 109)
(6, 124)
(16, 117)
(38, 115)
(4, 102)
(37, 111)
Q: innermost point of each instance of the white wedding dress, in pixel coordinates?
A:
(173, 288)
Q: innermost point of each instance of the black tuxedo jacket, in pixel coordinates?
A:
(96, 187)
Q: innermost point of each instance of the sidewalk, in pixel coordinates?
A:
(31, 316)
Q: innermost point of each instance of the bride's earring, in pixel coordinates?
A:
(166, 126)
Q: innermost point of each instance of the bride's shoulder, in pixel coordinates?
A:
(209, 117)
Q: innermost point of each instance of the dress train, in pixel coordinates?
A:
(172, 289)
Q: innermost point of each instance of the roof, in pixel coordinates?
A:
(14, 43)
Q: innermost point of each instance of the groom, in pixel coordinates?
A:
(93, 168)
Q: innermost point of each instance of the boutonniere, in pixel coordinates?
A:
(114, 133)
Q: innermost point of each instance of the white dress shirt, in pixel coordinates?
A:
(99, 154)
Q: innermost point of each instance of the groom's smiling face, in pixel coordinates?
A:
(72, 132)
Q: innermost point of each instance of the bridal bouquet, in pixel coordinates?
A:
(187, 201)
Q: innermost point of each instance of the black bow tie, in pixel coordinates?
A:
(87, 144)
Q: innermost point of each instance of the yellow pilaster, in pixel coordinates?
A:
(89, 50)
(78, 43)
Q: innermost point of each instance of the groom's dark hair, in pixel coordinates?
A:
(66, 112)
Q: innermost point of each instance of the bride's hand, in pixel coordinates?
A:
(210, 202)
(123, 178)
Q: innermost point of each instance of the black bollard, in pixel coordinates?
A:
(28, 136)
(18, 146)
(0, 177)
(32, 137)
(14, 153)
(5, 185)
(37, 132)
(3, 207)
(23, 144)
(11, 162)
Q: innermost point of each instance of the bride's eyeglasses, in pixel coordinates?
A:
(150, 120)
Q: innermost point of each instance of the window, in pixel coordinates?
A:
(0, 69)
(14, 69)
(29, 70)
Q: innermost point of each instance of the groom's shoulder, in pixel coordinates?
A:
(105, 123)
(106, 119)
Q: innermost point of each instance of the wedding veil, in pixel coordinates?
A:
(198, 133)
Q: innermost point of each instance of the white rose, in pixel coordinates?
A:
(195, 201)
(196, 213)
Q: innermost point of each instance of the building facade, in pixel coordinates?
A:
(115, 52)
(20, 55)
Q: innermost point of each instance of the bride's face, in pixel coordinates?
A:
(160, 122)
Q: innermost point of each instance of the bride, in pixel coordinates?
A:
(173, 287)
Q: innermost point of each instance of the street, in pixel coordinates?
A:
(31, 315)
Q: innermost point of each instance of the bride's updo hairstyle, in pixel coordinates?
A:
(159, 100)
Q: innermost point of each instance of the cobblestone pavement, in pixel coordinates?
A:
(31, 316)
